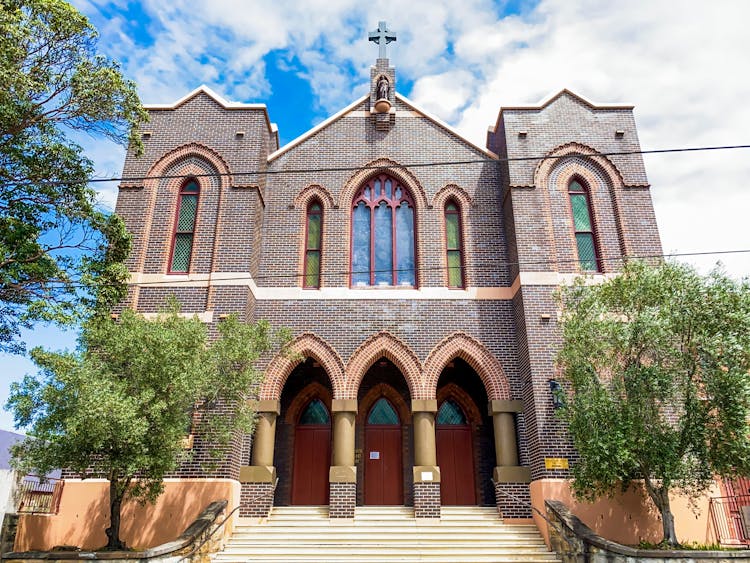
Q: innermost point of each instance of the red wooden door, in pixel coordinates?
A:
(455, 456)
(383, 467)
(312, 456)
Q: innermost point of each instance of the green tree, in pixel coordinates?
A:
(657, 363)
(121, 405)
(56, 247)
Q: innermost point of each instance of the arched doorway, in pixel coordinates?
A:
(455, 455)
(312, 455)
(382, 453)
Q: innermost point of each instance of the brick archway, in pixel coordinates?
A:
(482, 361)
(306, 345)
(383, 345)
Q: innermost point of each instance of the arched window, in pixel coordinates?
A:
(382, 412)
(383, 249)
(454, 245)
(583, 225)
(315, 413)
(451, 414)
(184, 228)
(313, 241)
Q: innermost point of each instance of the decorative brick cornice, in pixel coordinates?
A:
(383, 345)
(304, 346)
(313, 191)
(390, 167)
(461, 345)
(605, 166)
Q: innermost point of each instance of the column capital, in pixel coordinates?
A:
(501, 406)
(265, 405)
(344, 405)
(424, 405)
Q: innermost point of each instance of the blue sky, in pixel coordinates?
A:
(462, 60)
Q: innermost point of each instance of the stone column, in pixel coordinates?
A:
(509, 477)
(342, 477)
(426, 471)
(258, 480)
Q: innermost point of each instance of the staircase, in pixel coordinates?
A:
(383, 534)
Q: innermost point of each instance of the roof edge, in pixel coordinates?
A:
(437, 121)
(310, 132)
(223, 102)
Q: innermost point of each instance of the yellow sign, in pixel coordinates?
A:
(556, 463)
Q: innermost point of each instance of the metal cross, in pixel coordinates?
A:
(382, 37)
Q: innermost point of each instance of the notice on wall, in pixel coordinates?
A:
(427, 476)
(556, 463)
(374, 455)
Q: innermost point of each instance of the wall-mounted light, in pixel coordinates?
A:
(522, 134)
(619, 133)
(558, 397)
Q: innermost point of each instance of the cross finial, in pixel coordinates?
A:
(382, 37)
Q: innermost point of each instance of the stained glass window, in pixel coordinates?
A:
(453, 245)
(584, 227)
(450, 413)
(313, 241)
(383, 249)
(382, 412)
(315, 413)
(182, 245)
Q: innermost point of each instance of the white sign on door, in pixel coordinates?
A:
(374, 455)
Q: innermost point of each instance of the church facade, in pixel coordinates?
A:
(417, 272)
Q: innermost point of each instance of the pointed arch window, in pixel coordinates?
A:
(184, 229)
(454, 245)
(383, 243)
(450, 413)
(382, 412)
(313, 243)
(583, 225)
(315, 413)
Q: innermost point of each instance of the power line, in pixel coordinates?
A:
(444, 268)
(487, 160)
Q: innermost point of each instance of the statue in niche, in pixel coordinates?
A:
(383, 88)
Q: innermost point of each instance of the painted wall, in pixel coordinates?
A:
(8, 483)
(84, 514)
(628, 517)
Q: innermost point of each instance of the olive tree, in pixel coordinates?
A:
(657, 364)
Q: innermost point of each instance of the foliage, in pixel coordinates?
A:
(122, 404)
(54, 242)
(657, 362)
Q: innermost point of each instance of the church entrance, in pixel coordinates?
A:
(312, 455)
(382, 452)
(455, 455)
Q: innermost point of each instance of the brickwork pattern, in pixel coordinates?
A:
(342, 500)
(426, 500)
(517, 506)
(256, 500)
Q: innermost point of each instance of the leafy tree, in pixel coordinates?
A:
(657, 362)
(55, 245)
(120, 406)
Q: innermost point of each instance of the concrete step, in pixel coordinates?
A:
(384, 534)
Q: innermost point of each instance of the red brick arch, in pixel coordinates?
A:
(461, 345)
(383, 345)
(390, 167)
(599, 162)
(452, 191)
(306, 345)
(310, 192)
